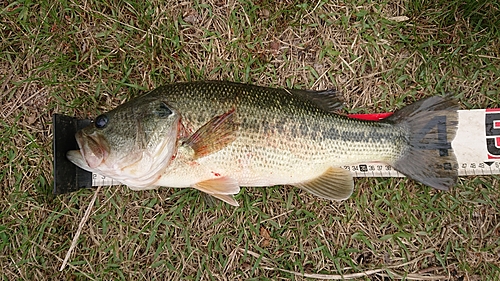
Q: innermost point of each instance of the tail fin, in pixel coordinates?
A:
(432, 125)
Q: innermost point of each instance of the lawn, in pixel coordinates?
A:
(82, 58)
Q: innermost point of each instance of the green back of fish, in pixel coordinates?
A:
(285, 115)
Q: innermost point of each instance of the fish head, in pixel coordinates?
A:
(132, 143)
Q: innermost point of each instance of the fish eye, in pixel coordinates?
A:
(163, 110)
(101, 121)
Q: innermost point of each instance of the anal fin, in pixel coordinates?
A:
(334, 184)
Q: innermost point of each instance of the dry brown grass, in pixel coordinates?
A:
(82, 59)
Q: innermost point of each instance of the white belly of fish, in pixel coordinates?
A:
(278, 164)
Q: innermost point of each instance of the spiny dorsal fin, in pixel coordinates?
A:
(214, 135)
(327, 100)
(334, 184)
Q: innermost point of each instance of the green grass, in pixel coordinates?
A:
(82, 60)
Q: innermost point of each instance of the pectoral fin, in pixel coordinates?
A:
(334, 184)
(222, 188)
(214, 135)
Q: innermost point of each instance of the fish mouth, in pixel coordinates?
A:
(76, 157)
(93, 148)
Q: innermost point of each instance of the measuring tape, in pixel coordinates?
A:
(476, 146)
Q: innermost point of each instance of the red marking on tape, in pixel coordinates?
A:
(496, 124)
(370, 116)
(492, 109)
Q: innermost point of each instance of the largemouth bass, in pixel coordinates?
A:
(217, 136)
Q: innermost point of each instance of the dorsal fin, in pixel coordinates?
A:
(328, 100)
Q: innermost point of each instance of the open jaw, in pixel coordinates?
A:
(76, 157)
(93, 148)
(90, 155)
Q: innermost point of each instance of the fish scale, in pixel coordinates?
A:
(288, 138)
